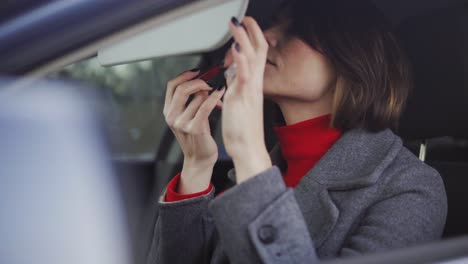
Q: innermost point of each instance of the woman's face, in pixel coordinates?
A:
(295, 71)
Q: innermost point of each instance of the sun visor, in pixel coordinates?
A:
(194, 28)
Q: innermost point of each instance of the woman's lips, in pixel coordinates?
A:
(270, 62)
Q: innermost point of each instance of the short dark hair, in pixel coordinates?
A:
(374, 77)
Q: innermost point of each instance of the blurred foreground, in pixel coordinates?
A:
(59, 202)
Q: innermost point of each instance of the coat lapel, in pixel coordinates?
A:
(355, 161)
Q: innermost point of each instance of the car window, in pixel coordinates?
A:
(131, 99)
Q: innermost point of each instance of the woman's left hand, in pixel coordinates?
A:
(242, 115)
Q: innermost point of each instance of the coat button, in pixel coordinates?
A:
(267, 234)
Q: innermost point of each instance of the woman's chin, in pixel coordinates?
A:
(267, 93)
(268, 80)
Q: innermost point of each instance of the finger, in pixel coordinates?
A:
(220, 105)
(241, 37)
(207, 107)
(230, 73)
(172, 85)
(242, 65)
(192, 109)
(183, 93)
(255, 33)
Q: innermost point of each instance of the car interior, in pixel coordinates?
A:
(434, 35)
(433, 125)
(436, 45)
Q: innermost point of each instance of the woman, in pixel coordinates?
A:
(339, 183)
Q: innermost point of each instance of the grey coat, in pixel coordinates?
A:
(367, 194)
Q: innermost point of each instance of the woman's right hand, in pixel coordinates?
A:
(191, 128)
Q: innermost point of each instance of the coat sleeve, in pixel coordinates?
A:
(173, 196)
(184, 232)
(262, 227)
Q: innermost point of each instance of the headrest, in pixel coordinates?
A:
(437, 46)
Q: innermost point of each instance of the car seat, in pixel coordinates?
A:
(434, 124)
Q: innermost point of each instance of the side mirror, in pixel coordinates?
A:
(203, 26)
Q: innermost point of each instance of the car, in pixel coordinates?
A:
(71, 40)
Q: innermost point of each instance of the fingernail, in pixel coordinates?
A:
(195, 69)
(210, 85)
(238, 47)
(235, 21)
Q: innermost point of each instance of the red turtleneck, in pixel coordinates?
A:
(302, 146)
